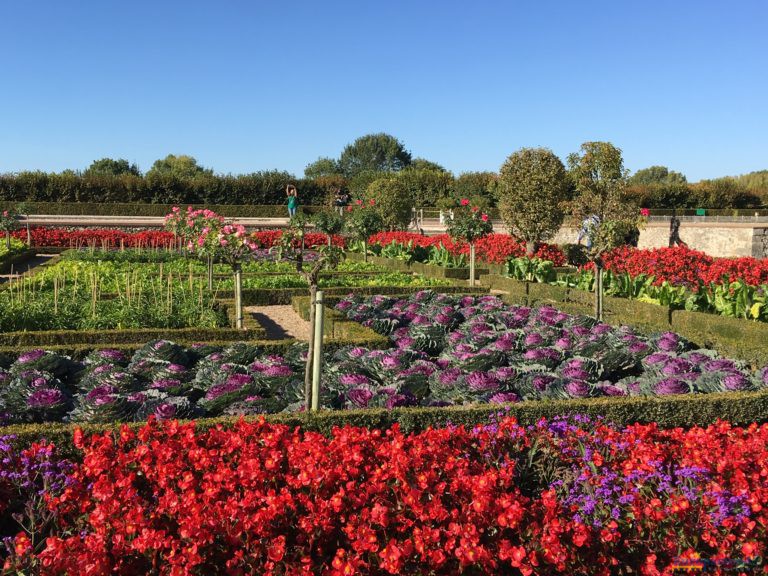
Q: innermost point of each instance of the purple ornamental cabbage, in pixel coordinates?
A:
(45, 398)
(504, 397)
(360, 397)
(736, 381)
(482, 381)
(577, 389)
(353, 379)
(670, 386)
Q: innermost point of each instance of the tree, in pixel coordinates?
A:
(180, 167)
(723, 193)
(469, 223)
(656, 175)
(598, 173)
(374, 152)
(392, 200)
(476, 186)
(111, 167)
(533, 185)
(323, 166)
(426, 186)
(423, 164)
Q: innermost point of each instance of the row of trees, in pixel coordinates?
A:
(181, 179)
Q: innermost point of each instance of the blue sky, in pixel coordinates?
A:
(247, 86)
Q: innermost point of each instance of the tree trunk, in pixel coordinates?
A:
(530, 248)
(310, 350)
(238, 297)
(210, 272)
(471, 264)
(365, 250)
(599, 291)
(8, 240)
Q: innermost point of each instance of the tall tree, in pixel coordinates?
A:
(181, 167)
(374, 152)
(423, 164)
(533, 185)
(323, 166)
(111, 167)
(656, 175)
(601, 203)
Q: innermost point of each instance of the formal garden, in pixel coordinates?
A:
(464, 402)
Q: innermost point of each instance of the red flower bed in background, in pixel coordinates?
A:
(493, 249)
(683, 266)
(110, 238)
(568, 496)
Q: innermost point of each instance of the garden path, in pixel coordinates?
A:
(280, 322)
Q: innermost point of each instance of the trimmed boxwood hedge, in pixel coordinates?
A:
(739, 408)
(145, 209)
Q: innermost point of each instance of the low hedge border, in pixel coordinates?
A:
(146, 209)
(284, 296)
(742, 339)
(337, 326)
(429, 270)
(15, 259)
(739, 408)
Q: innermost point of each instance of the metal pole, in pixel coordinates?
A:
(317, 350)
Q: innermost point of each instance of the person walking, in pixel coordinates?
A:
(674, 231)
(340, 201)
(588, 227)
(293, 200)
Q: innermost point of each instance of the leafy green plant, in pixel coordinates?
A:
(531, 269)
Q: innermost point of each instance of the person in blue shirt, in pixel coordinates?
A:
(587, 229)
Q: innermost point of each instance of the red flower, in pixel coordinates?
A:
(464, 202)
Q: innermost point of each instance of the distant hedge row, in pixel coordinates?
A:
(256, 188)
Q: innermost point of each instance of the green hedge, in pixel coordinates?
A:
(258, 188)
(336, 326)
(284, 296)
(15, 260)
(739, 408)
(143, 209)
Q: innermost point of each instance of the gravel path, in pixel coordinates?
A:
(280, 322)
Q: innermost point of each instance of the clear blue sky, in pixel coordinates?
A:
(246, 86)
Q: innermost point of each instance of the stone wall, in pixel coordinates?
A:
(715, 238)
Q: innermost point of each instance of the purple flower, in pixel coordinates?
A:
(360, 397)
(675, 366)
(670, 386)
(344, 305)
(735, 381)
(449, 377)
(656, 358)
(506, 373)
(30, 356)
(482, 381)
(719, 364)
(353, 379)
(405, 343)
(577, 389)
(577, 373)
(390, 362)
(668, 342)
(165, 383)
(610, 390)
(564, 343)
(541, 381)
(638, 347)
(357, 352)
(239, 380)
(534, 339)
(504, 397)
(45, 398)
(220, 389)
(278, 371)
(165, 411)
(601, 329)
(443, 319)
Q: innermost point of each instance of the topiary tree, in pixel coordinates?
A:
(328, 222)
(9, 221)
(392, 200)
(426, 186)
(608, 215)
(361, 223)
(469, 224)
(533, 185)
(476, 185)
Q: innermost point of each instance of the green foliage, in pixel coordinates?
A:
(444, 258)
(723, 193)
(328, 222)
(323, 166)
(182, 167)
(672, 195)
(479, 187)
(533, 187)
(423, 164)
(600, 179)
(469, 223)
(374, 152)
(392, 200)
(531, 269)
(656, 175)
(111, 167)
(363, 222)
(426, 186)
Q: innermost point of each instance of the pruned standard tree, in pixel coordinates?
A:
(598, 173)
(392, 199)
(532, 189)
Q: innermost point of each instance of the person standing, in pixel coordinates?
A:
(293, 200)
